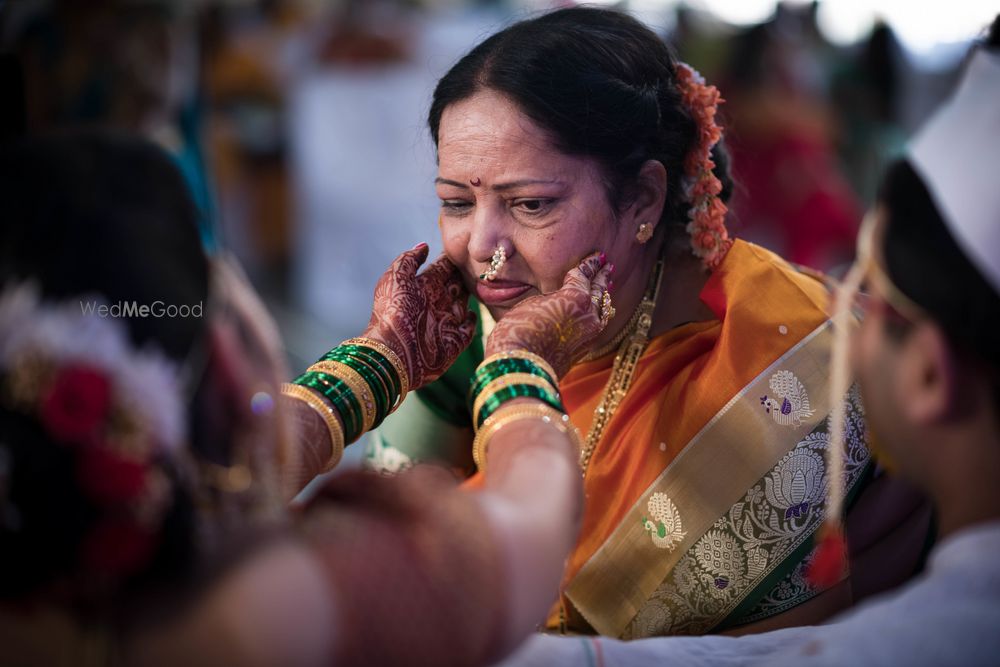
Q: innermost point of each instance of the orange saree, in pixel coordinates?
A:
(708, 482)
(705, 404)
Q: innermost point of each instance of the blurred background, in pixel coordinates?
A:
(300, 124)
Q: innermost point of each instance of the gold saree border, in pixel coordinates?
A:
(790, 587)
(764, 535)
(615, 583)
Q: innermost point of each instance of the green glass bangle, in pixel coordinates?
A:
(375, 384)
(512, 392)
(341, 398)
(379, 390)
(376, 359)
(484, 376)
(495, 369)
(344, 400)
(513, 365)
(379, 361)
(310, 380)
(374, 356)
(386, 371)
(378, 380)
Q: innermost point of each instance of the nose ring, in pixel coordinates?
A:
(499, 257)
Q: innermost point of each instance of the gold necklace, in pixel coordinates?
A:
(632, 347)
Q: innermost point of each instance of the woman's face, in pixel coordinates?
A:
(502, 181)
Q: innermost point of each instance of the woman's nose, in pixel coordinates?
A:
(488, 231)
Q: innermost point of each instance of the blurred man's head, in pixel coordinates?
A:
(927, 354)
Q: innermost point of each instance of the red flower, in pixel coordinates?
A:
(118, 546)
(827, 566)
(76, 405)
(108, 478)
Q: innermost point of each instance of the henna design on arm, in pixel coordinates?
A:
(309, 450)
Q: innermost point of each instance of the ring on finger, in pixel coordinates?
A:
(607, 309)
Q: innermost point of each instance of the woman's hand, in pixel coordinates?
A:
(559, 326)
(424, 319)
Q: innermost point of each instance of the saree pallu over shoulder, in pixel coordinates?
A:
(709, 483)
(731, 515)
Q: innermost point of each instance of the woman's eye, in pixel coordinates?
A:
(455, 206)
(533, 206)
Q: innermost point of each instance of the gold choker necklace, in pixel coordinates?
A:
(633, 342)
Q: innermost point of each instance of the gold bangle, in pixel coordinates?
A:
(523, 354)
(397, 363)
(356, 383)
(505, 380)
(513, 413)
(329, 415)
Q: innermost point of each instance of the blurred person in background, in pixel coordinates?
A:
(793, 197)
(867, 93)
(927, 361)
(705, 399)
(142, 514)
(118, 64)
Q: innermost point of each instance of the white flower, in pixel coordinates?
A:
(145, 382)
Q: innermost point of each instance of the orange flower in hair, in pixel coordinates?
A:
(709, 238)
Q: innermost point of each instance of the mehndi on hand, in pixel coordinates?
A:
(423, 318)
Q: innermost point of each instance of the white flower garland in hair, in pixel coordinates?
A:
(145, 383)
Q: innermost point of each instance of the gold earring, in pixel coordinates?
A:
(645, 232)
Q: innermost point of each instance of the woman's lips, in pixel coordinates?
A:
(497, 292)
